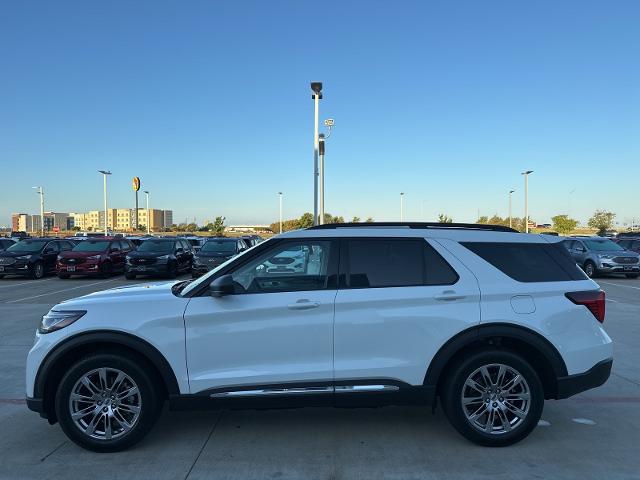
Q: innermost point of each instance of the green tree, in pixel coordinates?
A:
(76, 228)
(602, 221)
(443, 218)
(218, 226)
(563, 224)
(355, 220)
(306, 220)
(369, 220)
(497, 220)
(483, 219)
(192, 227)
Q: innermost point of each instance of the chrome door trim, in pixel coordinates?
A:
(261, 392)
(365, 388)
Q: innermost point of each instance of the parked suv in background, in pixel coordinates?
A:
(490, 321)
(215, 252)
(101, 256)
(6, 243)
(252, 240)
(598, 255)
(34, 257)
(160, 256)
(631, 244)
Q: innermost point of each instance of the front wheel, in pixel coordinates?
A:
(590, 269)
(107, 402)
(493, 398)
(37, 271)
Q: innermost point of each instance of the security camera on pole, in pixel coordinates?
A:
(316, 87)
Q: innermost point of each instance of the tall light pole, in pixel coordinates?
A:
(321, 178)
(280, 208)
(40, 191)
(106, 216)
(510, 216)
(146, 192)
(526, 200)
(316, 87)
(402, 206)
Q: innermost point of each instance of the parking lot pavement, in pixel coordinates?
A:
(593, 435)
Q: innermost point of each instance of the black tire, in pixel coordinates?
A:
(590, 269)
(37, 271)
(632, 275)
(1, 276)
(150, 405)
(106, 270)
(172, 270)
(454, 387)
(64, 276)
(130, 276)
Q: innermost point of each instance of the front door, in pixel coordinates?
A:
(277, 327)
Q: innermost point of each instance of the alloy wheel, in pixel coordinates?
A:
(496, 399)
(105, 403)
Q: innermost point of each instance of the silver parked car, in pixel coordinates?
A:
(598, 255)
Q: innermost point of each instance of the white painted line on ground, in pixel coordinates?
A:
(584, 421)
(32, 282)
(618, 285)
(60, 291)
(612, 300)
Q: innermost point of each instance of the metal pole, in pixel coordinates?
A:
(146, 192)
(316, 98)
(402, 206)
(280, 202)
(321, 146)
(42, 210)
(106, 213)
(136, 214)
(510, 216)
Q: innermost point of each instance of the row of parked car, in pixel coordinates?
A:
(599, 255)
(104, 256)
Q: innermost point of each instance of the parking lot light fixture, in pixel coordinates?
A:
(316, 88)
(40, 191)
(510, 216)
(146, 192)
(402, 206)
(106, 216)
(526, 199)
(280, 202)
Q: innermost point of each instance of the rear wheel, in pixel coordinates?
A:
(107, 402)
(632, 275)
(590, 269)
(493, 398)
(37, 270)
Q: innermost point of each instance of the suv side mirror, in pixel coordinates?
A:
(222, 286)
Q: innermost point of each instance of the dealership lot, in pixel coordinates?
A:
(592, 435)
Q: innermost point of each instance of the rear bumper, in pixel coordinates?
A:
(592, 378)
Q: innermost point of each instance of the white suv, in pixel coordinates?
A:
(490, 321)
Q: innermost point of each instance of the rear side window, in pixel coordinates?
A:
(396, 263)
(529, 262)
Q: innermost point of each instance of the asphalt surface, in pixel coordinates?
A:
(592, 435)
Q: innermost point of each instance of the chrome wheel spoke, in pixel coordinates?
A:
(102, 375)
(502, 416)
(90, 385)
(91, 427)
(490, 419)
(127, 393)
(121, 420)
(514, 382)
(84, 412)
(77, 397)
(129, 408)
(472, 400)
(107, 427)
(515, 410)
(475, 385)
(486, 376)
(118, 382)
(479, 412)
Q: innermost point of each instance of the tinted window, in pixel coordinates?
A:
(568, 244)
(92, 246)
(66, 246)
(604, 245)
(396, 263)
(529, 262)
(625, 243)
(219, 246)
(52, 247)
(289, 267)
(160, 246)
(31, 246)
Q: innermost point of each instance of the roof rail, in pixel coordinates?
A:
(417, 225)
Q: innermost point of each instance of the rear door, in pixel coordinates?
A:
(49, 256)
(400, 300)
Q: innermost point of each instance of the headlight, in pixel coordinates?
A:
(24, 257)
(94, 257)
(163, 258)
(55, 320)
(604, 255)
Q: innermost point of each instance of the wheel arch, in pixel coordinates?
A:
(57, 362)
(536, 349)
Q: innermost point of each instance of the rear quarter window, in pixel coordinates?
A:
(529, 262)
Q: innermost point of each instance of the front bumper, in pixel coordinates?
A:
(79, 269)
(612, 267)
(592, 378)
(153, 269)
(15, 269)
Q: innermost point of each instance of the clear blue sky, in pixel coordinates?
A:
(209, 103)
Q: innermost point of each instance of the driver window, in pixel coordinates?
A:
(288, 267)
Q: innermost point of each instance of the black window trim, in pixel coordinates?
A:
(344, 274)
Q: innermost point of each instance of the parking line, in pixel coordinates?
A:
(30, 282)
(60, 291)
(618, 285)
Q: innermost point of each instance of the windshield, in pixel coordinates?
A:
(91, 246)
(602, 245)
(161, 246)
(219, 246)
(30, 246)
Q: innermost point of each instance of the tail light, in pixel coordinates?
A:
(594, 300)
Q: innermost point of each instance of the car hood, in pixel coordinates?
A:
(126, 291)
(148, 254)
(215, 254)
(618, 253)
(4, 253)
(69, 254)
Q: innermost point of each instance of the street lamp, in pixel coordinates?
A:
(316, 88)
(510, 217)
(321, 179)
(146, 192)
(402, 206)
(526, 200)
(106, 217)
(280, 203)
(41, 193)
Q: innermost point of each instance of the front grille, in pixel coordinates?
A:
(626, 260)
(7, 261)
(143, 261)
(72, 261)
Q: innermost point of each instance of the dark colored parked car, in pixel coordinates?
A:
(252, 240)
(34, 257)
(6, 243)
(160, 256)
(101, 256)
(601, 255)
(629, 243)
(215, 252)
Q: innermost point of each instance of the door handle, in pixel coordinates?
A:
(303, 305)
(448, 296)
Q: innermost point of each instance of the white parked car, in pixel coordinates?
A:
(488, 321)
